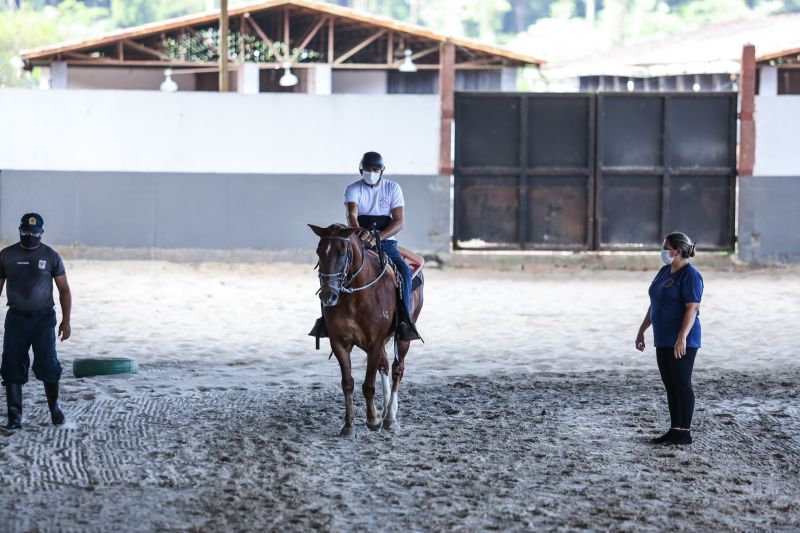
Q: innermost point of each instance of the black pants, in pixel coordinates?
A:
(677, 377)
(23, 331)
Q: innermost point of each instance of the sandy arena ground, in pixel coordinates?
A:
(527, 408)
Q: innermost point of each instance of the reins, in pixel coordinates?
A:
(346, 279)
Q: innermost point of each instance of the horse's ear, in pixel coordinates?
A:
(319, 232)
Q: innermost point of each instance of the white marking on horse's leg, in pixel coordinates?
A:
(392, 415)
(386, 383)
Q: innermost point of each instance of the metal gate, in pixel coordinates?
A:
(587, 171)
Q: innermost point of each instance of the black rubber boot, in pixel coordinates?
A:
(56, 415)
(407, 332)
(681, 437)
(663, 439)
(14, 401)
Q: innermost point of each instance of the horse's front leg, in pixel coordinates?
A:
(373, 361)
(398, 368)
(342, 354)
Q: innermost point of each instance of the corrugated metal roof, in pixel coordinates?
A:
(713, 49)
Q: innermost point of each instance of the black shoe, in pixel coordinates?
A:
(666, 437)
(681, 437)
(407, 332)
(14, 401)
(56, 415)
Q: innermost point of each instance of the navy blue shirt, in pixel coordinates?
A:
(29, 276)
(669, 294)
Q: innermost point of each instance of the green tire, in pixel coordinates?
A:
(103, 367)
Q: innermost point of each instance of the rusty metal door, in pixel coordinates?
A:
(588, 171)
(666, 162)
(524, 171)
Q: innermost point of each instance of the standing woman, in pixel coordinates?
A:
(674, 312)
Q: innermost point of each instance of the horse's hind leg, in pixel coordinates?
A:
(373, 362)
(343, 356)
(398, 367)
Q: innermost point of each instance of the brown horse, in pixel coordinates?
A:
(359, 301)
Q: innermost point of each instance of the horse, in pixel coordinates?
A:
(359, 301)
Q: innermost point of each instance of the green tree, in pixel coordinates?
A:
(28, 28)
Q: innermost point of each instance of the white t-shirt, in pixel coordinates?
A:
(375, 201)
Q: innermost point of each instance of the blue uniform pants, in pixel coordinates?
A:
(23, 331)
(390, 247)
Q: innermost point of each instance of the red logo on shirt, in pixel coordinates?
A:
(384, 203)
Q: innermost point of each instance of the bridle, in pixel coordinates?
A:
(344, 279)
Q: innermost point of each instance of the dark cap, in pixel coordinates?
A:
(31, 222)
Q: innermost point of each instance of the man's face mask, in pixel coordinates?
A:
(29, 239)
(371, 178)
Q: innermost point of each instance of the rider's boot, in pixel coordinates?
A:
(14, 401)
(319, 329)
(406, 330)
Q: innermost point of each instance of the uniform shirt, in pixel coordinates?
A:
(669, 294)
(376, 201)
(29, 276)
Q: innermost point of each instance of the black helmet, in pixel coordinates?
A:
(371, 160)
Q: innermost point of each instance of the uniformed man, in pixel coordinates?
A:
(376, 203)
(29, 268)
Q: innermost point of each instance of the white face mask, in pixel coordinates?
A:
(371, 178)
(665, 257)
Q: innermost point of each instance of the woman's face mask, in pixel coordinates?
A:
(371, 178)
(666, 257)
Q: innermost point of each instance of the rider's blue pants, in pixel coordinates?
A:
(390, 247)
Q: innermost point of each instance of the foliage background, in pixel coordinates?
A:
(553, 29)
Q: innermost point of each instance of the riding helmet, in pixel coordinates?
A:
(371, 160)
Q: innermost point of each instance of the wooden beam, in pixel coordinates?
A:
(146, 50)
(447, 85)
(307, 39)
(479, 63)
(390, 49)
(331, 49)
(223, 47)
(242, 33)
(423, 53)
(360, 46)
(120, 51)
(263, 36)
(286, 35)
(747, 128)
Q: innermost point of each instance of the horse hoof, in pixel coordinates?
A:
(375, 424)
(346, 431)
(390, 425)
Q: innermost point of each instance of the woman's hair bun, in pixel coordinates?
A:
(691, 250)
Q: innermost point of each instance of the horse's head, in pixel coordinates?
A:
(335, 251)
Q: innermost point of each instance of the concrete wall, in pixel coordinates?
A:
(769, 201)
(198, 132)
(205, 211)
(123, 78)
(777, 136)
(769, 219)
(359, 82)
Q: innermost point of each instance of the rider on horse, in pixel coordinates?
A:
(377, 204)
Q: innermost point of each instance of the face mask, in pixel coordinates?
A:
(665, 257)
(29, 241)
(371, 178)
